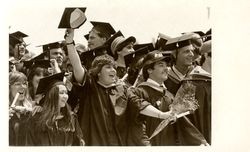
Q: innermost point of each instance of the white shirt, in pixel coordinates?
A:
(156, 83)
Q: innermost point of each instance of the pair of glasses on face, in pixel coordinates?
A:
(24, 83)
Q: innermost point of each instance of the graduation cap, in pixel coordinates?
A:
(197, 32)
(161, 41)
(103, 27)
(208, 35)
(149, 45)
(19, 35)
(73, 17)
(200, 33)
(13, 40)
(116, 42)
(182, 41)
(108, 43)
(88, 56)
(153, 57)
(53, 45)
(133, 57)
(36, 63)
(48, 82)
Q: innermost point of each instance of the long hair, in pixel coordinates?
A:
(51, 109)
(38, 71)
(17, 76)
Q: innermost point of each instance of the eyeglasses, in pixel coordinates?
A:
(24, 83)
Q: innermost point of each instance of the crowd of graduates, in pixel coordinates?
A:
(113, 92)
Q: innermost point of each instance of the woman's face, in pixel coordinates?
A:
(35, 81)
(107, 75)
(19, 87)
(126, 50)
(63, 96)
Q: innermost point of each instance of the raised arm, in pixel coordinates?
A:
(74, 57)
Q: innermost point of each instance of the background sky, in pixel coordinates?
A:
(143, 19)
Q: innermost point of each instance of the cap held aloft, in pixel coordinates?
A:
(73, 17)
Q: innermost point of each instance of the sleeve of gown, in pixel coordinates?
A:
(136, 103)
(189, 133)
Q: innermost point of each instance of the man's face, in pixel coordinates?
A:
(58, 55)
(160, 71)
(107, 75)
(95, 40)
(185, 56)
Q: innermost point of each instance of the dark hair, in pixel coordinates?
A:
(47, 117)
(35, 71)
(100, 33)
(99, 62)
(145, 70)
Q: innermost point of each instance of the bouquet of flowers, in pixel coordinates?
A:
(183, 104)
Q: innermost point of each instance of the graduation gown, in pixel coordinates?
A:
(55, 135)
(180, 133)
(121, 71)
(201, 118)
(102, 114)
(18, 129)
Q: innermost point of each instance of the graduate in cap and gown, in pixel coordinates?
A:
(18, 48)
(36, 69)
(102, 102)
(97, 37)
(153, 92)
(55, 124)
(183, 54)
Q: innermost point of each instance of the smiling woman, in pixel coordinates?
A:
(56, 124)
(20, 106)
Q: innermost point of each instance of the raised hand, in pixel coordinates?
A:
(55, 66)
(69, 35)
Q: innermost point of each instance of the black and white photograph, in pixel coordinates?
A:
(120, 75)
